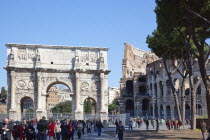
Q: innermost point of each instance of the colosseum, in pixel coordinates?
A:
(145, 90)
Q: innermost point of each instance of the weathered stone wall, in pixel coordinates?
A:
(33, 69)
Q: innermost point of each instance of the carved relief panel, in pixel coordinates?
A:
(24, 86)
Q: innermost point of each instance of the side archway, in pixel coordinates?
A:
(129, 107)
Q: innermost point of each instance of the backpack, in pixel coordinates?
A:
(41, 126)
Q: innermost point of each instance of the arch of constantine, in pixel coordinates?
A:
(33, 69)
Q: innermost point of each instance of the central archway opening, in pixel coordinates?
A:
(58, 100)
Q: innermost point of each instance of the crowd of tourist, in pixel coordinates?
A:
(47, 130)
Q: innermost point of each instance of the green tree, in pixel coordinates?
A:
(114, 106)
(63, 107)
(87, 106)
(29, 110)
(3, 93)
(190, 20)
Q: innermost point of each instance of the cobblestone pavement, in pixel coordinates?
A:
(143, 134)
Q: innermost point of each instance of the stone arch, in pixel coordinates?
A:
(129, 107)
(25, 106)
(161, 88)
(168, 86)
(198, 109)
(47, 82)
(142, 79)
(161, 111)
(168, 111)
(187, 111)
(142, 90)
(129, 87)
(145, 106)
(94, 104)
(187, 91)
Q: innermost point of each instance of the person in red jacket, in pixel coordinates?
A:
(51, 130)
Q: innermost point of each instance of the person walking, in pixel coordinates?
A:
(99, 127)
(58, 130)
(147, 124)
(51, 130)
(71, 131)
(208, 138)
(42, 128)
(79, 129)
(89, 127)
(65, 130)
(17, 132)
(7, 129)
(131, 124)
(30, 131)
(203, 129)
(120, 130)
(153, 123)
(1, 126)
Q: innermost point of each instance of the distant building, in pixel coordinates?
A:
(64, 95)
(114, 93)
(52, 99)
(28, 103)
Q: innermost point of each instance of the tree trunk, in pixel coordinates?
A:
(173, 91)
(193, 97)
(183, 102)
(208, 106)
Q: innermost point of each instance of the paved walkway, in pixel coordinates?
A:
(94, 136)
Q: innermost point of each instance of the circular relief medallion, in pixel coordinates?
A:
(84, 86)
(30, 85)
(21, 84)
(94, 86)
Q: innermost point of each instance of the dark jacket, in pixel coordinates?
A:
(64, 129)
(120, 129)
(44, 124)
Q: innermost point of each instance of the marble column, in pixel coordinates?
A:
(77, 95)
(102, 93)
(39, 111)
(13, 90)
(39, 91)
(13, 109)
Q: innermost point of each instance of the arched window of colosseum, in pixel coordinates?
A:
(168, 86)
(187, 91)
(142, 79)
(198, 109)
(129, 107)
(129, 87)
(161, 88)
(187, 111)
(145, 107)
(142, 90)
(168, 112)
(161, 112)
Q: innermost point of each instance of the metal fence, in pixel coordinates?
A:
(109, 119)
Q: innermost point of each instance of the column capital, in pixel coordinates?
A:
(102, 76)
(77, 75)
(13, 75)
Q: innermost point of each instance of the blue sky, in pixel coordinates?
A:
(96, 23)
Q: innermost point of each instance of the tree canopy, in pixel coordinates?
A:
(63, 107)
